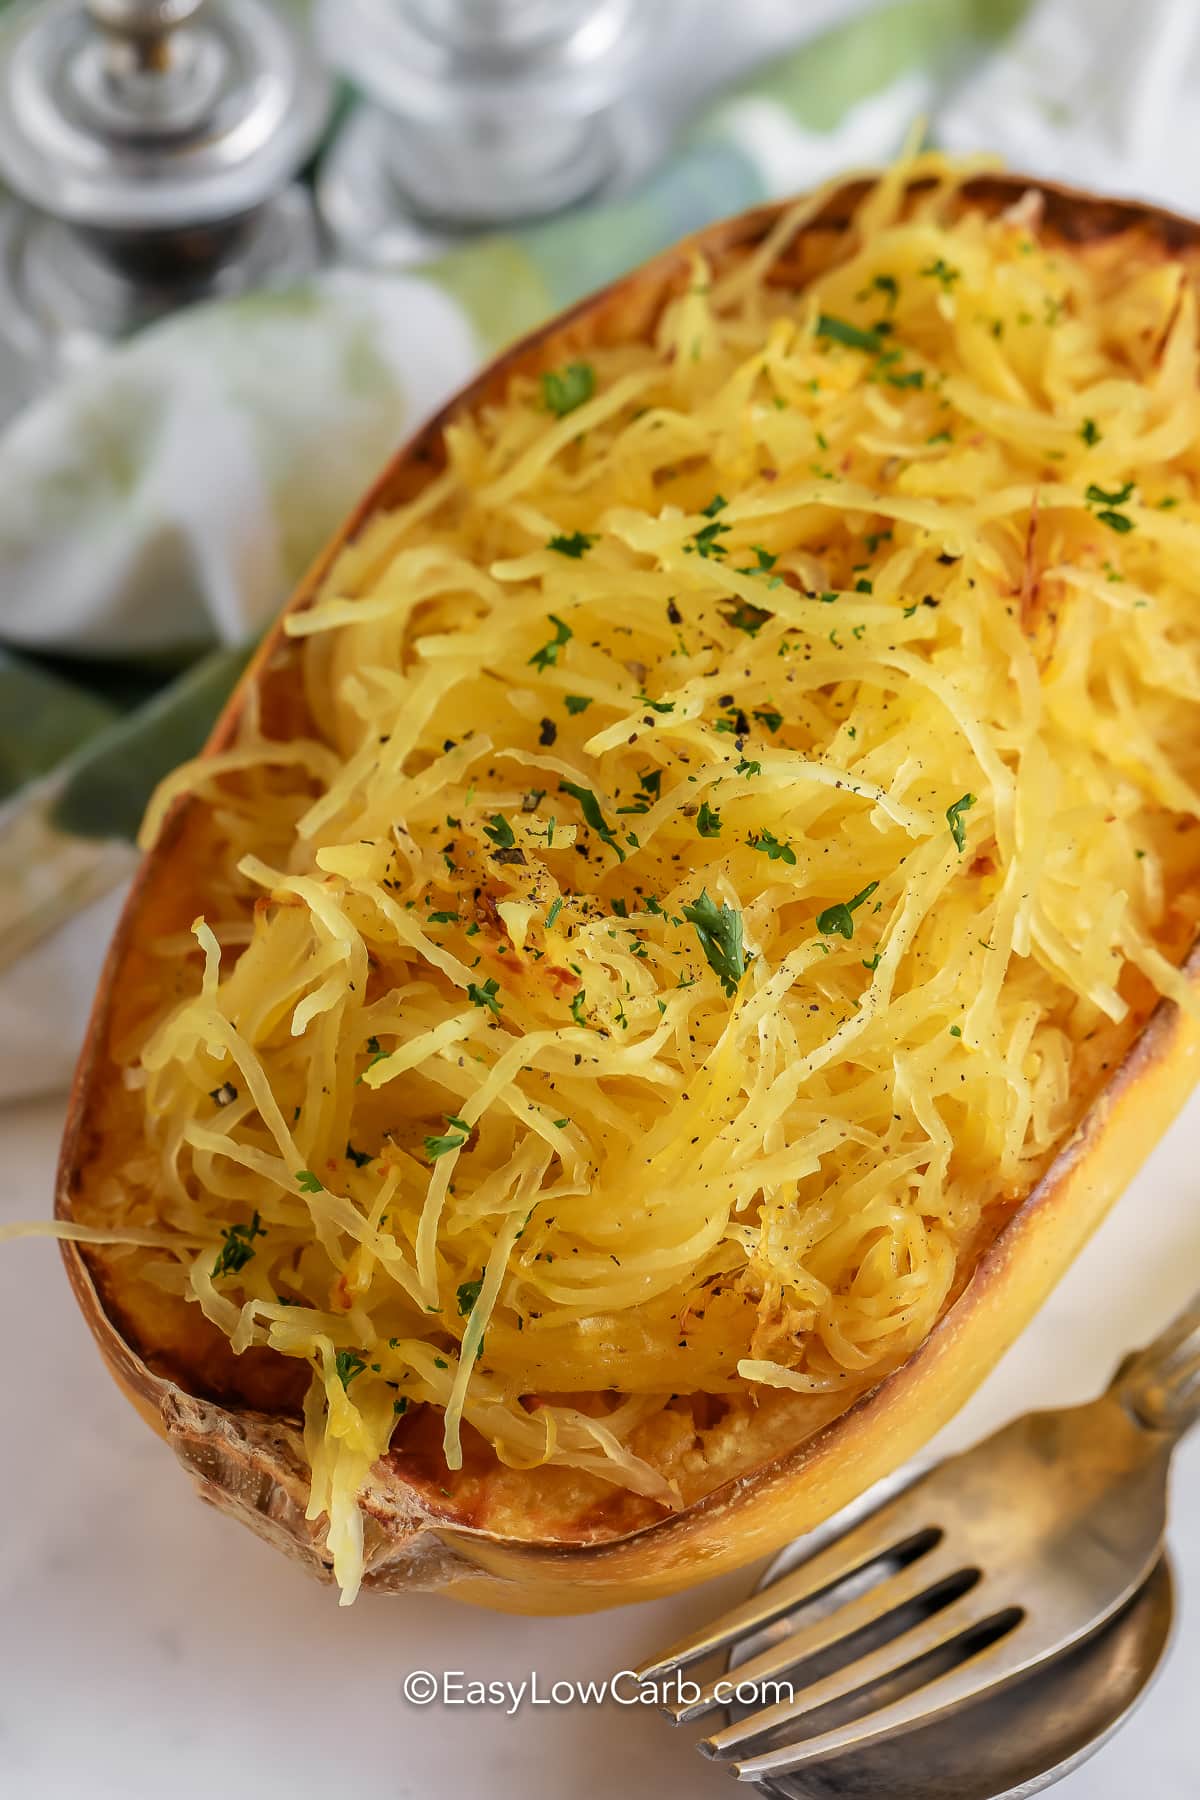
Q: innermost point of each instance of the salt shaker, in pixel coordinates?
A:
(152, 148)
(481, 113)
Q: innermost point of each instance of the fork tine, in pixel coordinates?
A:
(917, 1581)
(983, 1671)
(896, 1528)
(980, 1670)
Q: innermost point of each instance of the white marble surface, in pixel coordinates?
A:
(152, 1650)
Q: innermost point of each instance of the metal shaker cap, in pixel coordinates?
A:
(451, 60)
(124, 115)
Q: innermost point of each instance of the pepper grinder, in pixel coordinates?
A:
(152, 148)
(479, 114)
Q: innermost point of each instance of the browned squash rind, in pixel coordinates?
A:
(243, 1447)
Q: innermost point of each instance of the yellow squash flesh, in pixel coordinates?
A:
(238, 1434)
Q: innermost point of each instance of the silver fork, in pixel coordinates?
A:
(978, 1572)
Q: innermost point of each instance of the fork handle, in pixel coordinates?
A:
(1160, 1384)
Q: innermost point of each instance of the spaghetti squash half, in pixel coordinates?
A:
(676, 882)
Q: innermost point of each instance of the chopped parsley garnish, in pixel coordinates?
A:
(547, 656)
(577, 1006)
(556, 907)
(400, 1406)
(590, 807)
(443, 918)
(658, 706)
(1098, 496)
(769, 844)
(468, 1294)
(238, 1248)
(360, 1158)
(500, 832)
(888, 286)
(1107, 500)
(577, 703)
(576, 543)
(719, 929)
(906, 378)
(563, 390)
(453, 1139)
(954, 819)
(1089, 431)
(348, 1364)
(308, 1183)
(763, 563)
(838, 920)
(717, 504)
(704, 542)
(649, 786)
(708, 821)
(766, 715)
(744, 617)
(485, 994)
(942, 271)
(377, 1056)
(841, 331)
(746, 767)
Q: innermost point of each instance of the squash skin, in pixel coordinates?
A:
(251, 1463)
